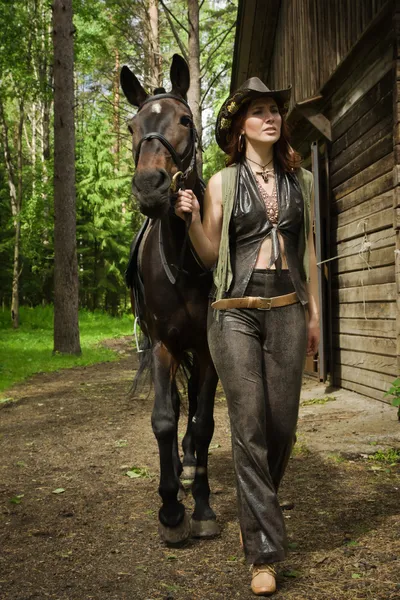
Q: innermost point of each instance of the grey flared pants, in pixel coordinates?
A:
(259, 356)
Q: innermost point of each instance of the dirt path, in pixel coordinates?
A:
(77, 431)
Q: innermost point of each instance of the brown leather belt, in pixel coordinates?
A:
(256, 302)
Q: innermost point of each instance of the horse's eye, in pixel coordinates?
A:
(186, 121)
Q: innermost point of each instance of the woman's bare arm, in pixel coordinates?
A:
(205, 236)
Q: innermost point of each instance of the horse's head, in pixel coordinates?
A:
(163, 137)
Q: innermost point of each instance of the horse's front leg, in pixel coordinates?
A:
(174, 526)
(203, 519)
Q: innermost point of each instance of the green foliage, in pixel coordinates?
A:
(390, 456)
(313, 401)
(107, 35)
(104, 228)
(213, 160)
(394, 391)
(29, 349)
(137, 472)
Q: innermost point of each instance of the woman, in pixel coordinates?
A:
(256, 228)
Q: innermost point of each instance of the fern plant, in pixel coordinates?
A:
(394, 391)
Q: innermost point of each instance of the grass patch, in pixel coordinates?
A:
(300, 449)
(336, 458)
(390, 456)
(28, 350)
(312, 401)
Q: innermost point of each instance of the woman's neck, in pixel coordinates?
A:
(263, 154)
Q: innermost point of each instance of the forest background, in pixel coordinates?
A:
(144, 34)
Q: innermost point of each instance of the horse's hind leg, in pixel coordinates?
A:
(174, 526)
(176, 402)
(203, 519)
(189, 458)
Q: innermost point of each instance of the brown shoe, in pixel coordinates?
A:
(263, 582)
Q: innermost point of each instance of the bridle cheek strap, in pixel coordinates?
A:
(158, 136)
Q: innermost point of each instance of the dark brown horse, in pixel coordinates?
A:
(171, 289)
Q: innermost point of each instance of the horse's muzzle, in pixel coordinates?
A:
(151, 189)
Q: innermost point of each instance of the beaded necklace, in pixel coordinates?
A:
(270, 201)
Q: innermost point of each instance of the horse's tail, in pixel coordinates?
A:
(143, 374)
(143, 377)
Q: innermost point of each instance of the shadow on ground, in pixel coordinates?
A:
(77, 431)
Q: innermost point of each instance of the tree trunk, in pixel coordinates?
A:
(194, 93)
(15, 279)
(66, 327)
(154, 46)
(15, 190)
(116, 111)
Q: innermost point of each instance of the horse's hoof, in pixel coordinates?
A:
(188, 473)
(175, 536)
(205, 529)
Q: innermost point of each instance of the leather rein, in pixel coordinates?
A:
(178, 179)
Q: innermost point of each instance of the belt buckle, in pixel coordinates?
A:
(269, 303)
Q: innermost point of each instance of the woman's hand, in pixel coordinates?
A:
(186, 203)
(313, 333)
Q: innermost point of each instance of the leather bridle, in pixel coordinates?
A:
(182, 174)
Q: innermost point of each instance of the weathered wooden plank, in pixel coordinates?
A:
(351, 125)
(378, 168)
(369, 310)
(354, 148)
(257, 39)
(379, 62)
(322, 33)
(378, 186)
(379, 381)
(365, 390)
(396, 196)
(372, 345)
(373, 222)
(382, 257)
(381, 23)
(362, 211)
(377, 239)
(396, 181)
(367, 277)
(396, 219)
(370, 293)
(371, 362)
(360, 161)
(367, 327)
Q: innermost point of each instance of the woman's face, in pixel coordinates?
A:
(263, 121)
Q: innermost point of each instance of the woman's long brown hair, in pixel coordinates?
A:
(287, 157)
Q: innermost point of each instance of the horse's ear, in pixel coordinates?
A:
(180, 76)
(132, 88)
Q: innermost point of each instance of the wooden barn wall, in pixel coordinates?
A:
(396, 170)
(311, 39)
(365, 315)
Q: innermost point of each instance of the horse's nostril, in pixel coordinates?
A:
(162, 176)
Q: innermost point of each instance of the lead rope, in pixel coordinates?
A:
(363, 252)
(365, 248)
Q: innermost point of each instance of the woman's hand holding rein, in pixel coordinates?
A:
(186, 203)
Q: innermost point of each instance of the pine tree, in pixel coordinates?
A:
(66, 327)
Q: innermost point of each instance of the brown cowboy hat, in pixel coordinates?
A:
(249, 90)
